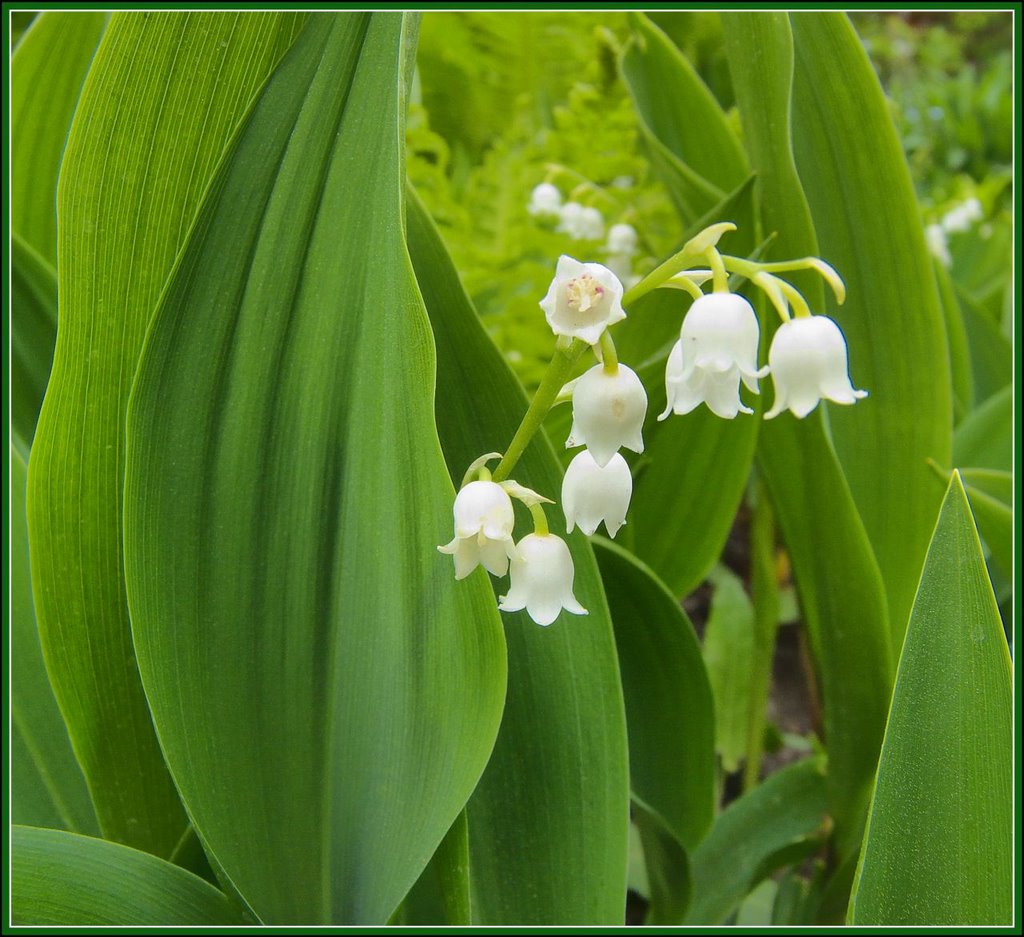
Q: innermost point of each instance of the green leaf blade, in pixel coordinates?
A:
(669, 709)
(866, 219)
(326, 693)
(939, 844)
(47, 71)
(62, 879)
(47, 785)
(162, 99)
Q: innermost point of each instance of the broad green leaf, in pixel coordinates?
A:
(33, 333)
(672, 501)
(991, 351)
(667, 866)
(326, 694)
(669, 710)
(757, 908)
(959, 346)
(985, 438)
(990, 493)
(841, 591)
(548, 823)
(688, 122)
(938, 849)
(441, 895)
(47, 71)
(865, 214)
(47, 786)
(63, 879)
(163, 97)
(728, 656)
(751, 837)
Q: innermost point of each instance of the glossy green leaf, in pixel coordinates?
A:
(959, 346)
(548, 823)
(866, 218)
(33, 333)
(163, 97)
(985, 438)
(750, 837)
(668, 869)
(63, 879)
(991, 351)
(47, 71)
(841, 591)
(990, 493)
(326, 694)
(939, 843)
(47, 785)
(688, 123)
(729, 657)
(442, 895)
(669, 709)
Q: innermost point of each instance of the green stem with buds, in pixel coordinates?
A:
(555, 376)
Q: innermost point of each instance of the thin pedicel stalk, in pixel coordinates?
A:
(555, 376)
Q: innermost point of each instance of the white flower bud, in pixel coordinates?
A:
(717, 348)
(484, 519)
(608, 412)
(581, 223)
(808, 359)
(583, 300)
(541, 579)
(545, 201)
(591, 225)
(938, 244)
(622, 239)
(591, 494)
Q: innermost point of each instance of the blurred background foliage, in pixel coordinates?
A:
(541, 100)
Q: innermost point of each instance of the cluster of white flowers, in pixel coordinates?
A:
(580, 222)
(959, 218)
(717, 351)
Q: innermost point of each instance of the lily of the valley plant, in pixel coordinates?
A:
(716, 353)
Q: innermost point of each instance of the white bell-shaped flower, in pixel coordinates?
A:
(484, 519)
(541, 579)
(717, 349)
(808, 359)
(545, 201)
(570, 219)
(622, 239)
(591, 494)
(591, 226)
(583, 300)
(608, 412)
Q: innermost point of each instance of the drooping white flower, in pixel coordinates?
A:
(583, 300)
(622, 239)
(570, 218)
(591, 226)
(717, 349)
(961, 217)
(938, 244)
(545, 201)
(591, 494)
(581, 223)
(541, 579)
(808, 359)
(484, 519)
(608, 412)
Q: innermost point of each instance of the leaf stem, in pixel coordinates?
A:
(555, 376)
